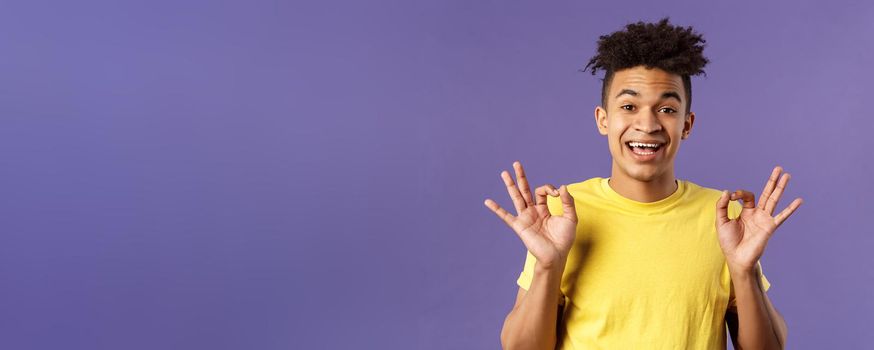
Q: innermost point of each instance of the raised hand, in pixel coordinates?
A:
(549, 238)
(743, 239)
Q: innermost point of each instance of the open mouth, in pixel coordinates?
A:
(644, 148)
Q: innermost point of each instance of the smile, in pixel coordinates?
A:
(644, 150)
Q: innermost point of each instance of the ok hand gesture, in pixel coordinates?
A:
(549, 238)
(743, 239)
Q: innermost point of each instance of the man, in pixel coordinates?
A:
(642, 260)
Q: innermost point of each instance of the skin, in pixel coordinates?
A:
(532, 323)
(643, 105)
(754, 322)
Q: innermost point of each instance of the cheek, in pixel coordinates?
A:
(674, 129)
(675, 144)
(614, 129)
(614, 138)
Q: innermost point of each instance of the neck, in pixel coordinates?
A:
(653, 190)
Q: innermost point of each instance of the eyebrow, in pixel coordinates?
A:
(672, 94)
(628, 92)
(669, 94)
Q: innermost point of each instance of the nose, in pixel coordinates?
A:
(647, 122)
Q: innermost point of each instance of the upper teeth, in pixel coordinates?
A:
(641, 144)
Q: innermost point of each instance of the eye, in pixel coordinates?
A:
(668, 110)
(627, 107)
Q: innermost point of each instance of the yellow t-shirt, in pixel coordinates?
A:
(643, 275)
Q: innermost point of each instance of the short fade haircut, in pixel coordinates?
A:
(674, 49)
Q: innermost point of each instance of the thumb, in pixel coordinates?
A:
(567, 204)
(722, 208)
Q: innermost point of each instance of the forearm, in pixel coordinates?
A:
(532, 325)
(755, 327)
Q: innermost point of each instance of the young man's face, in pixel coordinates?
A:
(644, 121)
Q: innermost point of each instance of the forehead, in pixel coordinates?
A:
(648, 82)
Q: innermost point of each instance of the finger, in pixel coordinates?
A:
(523, 183)
(518, 201)
(780, 218)
(747, 197)
(500, 212)
(769, 186)
(541, 193)
(509, 220)
(722, 208)
(775, 197)
(567, 204)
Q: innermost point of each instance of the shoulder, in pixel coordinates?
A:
(589, 185)
(582, 192)
(586, 190)
(708, 196)
(694, 190)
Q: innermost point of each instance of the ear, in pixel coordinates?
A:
(687, 125)
(601, 120)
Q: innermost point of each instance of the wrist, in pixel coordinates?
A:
(743, 272)
(555, 268)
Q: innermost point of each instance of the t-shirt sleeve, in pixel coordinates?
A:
(765, 283)
(527, 274)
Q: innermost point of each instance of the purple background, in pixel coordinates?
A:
(274, 175)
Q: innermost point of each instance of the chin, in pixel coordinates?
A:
(643, 177)
(644, 173)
